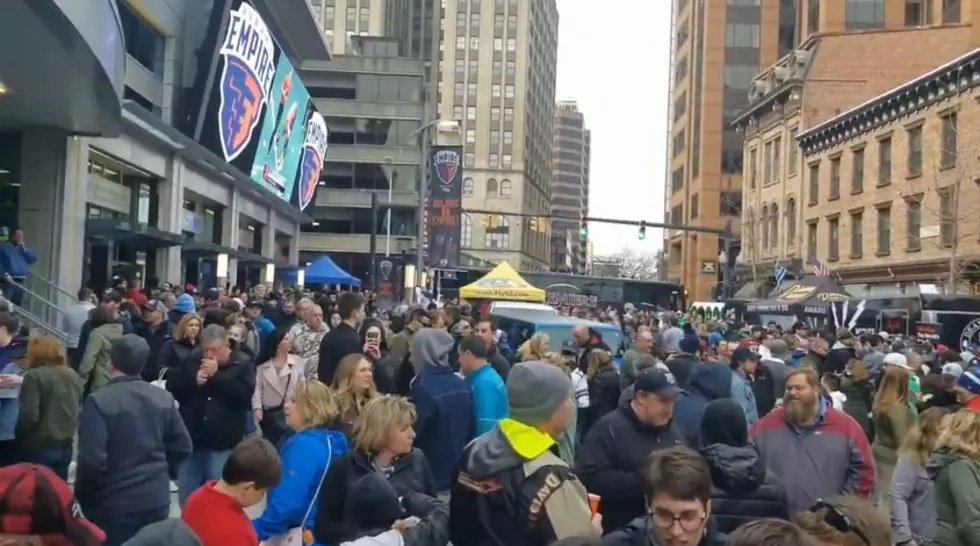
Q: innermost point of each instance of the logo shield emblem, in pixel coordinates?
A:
(446, 164)
(311, 161)
(386, 267)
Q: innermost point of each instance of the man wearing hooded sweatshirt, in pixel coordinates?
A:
(443, 404)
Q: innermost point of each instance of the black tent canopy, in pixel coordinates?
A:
(811, 296)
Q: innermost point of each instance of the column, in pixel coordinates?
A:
(269, 237)
(52, 205)
(229, 235)
(171, 192)
(294, 246)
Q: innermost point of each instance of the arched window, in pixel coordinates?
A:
(764, 220)
(790, 221)
(774, 226)
(499, 237)
(505, 187)
(467, 186)
(492, 186)
(466, 230)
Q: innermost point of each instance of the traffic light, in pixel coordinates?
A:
(642, 234)
(583, 229)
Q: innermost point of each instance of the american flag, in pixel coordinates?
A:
(817, 267)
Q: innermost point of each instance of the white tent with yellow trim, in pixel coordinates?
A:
(502, 283)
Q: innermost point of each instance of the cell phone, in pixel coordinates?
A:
(373, 336)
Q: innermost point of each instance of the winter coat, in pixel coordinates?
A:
(708, 382)
(858, 403)
(639, 533)
(173, 353)
(305, 458)
(742, 490)
(957, 478)
(604, 394)
(890, 430)
(94, 368)
(682, 366)
(49, 407)
(430, 530)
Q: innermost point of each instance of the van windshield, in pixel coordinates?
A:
(558, 334)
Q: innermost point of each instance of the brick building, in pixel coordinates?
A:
(828, 74)
(889, 189)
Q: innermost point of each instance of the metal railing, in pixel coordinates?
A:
(35, 323)
(42, 308)
(49, 290)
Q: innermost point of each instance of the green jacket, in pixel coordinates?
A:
(890, 431)
(50, 398)
(957, 478)
(94, 368)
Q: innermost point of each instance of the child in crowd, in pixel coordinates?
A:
(216, 510)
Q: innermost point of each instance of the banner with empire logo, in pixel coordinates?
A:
(258, 115)
(444, 208)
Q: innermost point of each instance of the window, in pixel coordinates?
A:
(461, 42)
(458, 89)
(680, 106)
(794, 150)
(467, 186)
(474, 69)
(814, 184)
(777, 167)
(813, 16)
(753, 168)
(498, 44)
(507, 161)
(505, 187)
(951, 11)
(835, 177)
(741, 35)
(511, 68)
(857, 230)
(469, 159)
(475, 18)
(494, 160)
(833, 239)
(767, 163)
(913, 223)
(811, 238)
(492, 187)
(677, 214)
(678, 143)
(884, 161)
(914, 159)
(730, 203)
(494, 137)
(466, 229)
(947, 216)
(677, 179)
(471, 112)
(364, 20)
(461, 18)
(470, 136)
(508, 115)
(512, 21)
(457, 112)
(694, 206)
(860, 14)
(460, 65)
(680, 70)
(494, 113)
(739, 77)
(495, 90)
(474, 43)
(790, 221)
(764, 220)
(508, 137)
(498, 237)
(471, 90)
(884, 230)
(509, 91)
(857, 171)
(511, 44)
(497, 67)
(918, 12)
(498, 21)
(142, 41)
(947, 156)
(774, 226)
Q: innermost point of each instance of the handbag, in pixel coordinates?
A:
(273, 422)
(161, 383)
(301, 536)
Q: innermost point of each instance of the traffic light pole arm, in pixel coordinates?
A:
(725, 232)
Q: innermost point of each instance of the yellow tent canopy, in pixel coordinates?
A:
(502, 283)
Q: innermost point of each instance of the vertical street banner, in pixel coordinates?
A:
(443, 208)
(388, 282)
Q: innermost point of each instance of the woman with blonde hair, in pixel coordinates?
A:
(955, 469)
(49, 406)
(535, 348)
(354, 385)
(913, 496)
(383, 437)
(187, 335)
(892, 420)
(306, 455)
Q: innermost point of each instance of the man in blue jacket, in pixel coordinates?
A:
(15, 266)
(488, 389)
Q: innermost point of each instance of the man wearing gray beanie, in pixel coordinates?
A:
(136, 426)
(514, 474)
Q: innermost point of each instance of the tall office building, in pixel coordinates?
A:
(497, 66)
(341, 19)
(569, 188)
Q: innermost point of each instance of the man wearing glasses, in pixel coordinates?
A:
(677, 489)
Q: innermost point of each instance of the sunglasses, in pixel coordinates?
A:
(838, 519)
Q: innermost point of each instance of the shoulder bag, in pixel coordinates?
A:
(301, 536)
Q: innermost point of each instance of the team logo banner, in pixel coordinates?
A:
(311, 163)
(444, 207)
(388, 282)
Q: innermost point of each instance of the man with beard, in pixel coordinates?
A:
(816, 451)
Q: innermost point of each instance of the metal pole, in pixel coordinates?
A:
(388, 214)
(373, 241)
(423, 189)
(726, 274)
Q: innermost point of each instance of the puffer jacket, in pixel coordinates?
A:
(709, 381)
(957, 478)
(742, 490)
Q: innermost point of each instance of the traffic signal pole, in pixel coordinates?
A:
(725, 233)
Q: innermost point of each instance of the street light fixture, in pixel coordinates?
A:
(722, 258)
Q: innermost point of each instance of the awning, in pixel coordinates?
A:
(143, 237)
(205, 249)
(247, 257)
(502, 283)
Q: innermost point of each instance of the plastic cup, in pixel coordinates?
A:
(594, 503)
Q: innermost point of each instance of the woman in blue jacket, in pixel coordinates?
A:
(305, 456)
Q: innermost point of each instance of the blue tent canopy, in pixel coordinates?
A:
(324, 271)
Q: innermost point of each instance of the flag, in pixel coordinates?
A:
(817, 267)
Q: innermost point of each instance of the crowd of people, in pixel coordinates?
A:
(420, 427)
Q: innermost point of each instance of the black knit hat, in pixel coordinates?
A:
(723, 422)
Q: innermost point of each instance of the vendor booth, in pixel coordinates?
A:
(322, 271)
(709, 310)
(818, 301)
(502, 283)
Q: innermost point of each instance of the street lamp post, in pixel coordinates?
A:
(724, 262)
(389, 174)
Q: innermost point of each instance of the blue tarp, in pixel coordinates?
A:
(323, 271)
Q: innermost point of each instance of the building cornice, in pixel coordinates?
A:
(940, 84)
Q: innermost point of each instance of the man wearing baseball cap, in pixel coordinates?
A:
(968, 391)
(37, 504)
(619, 443)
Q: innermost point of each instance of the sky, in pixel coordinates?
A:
(614, 60)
